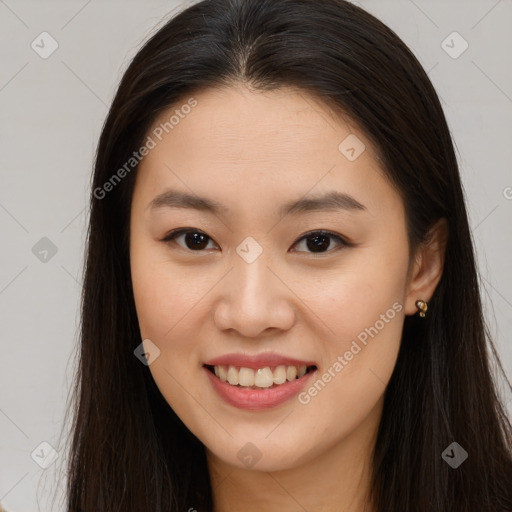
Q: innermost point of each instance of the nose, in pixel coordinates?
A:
(253, 300)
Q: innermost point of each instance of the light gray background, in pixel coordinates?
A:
(52, 111)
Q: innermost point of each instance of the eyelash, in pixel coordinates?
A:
(171, 237)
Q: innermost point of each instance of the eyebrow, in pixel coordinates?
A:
(330, 201)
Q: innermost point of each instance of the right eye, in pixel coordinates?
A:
(193, 239)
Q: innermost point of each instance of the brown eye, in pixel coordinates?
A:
(193, 239)
(316, 242)
(320, 241)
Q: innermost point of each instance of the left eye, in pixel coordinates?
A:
(314, 241)
(319, 241)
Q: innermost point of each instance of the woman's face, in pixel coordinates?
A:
(253, 292)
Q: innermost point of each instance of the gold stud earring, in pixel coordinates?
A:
(422, 307)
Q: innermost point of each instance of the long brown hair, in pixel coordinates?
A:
(128, 449)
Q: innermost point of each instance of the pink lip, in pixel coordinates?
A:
(259, 361)
(257, 399)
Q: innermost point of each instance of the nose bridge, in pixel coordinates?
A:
(252, 298)
(251, 276)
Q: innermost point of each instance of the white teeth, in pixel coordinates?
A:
(232, 375)
(280, 375)
(260, 378)
(263, 377)
(291, 373)
(223, 373)
(246, 377)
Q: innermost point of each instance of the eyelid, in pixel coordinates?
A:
(180, 231)
(341, 240)
(169, 237)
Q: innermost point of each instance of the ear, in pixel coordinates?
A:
(427, 267)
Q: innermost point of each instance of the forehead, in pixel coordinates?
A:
(235, 118)
(237, 143)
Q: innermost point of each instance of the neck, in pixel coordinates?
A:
(335, 480)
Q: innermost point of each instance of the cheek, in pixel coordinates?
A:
(164, 295)
(167, 302)
(352, 297)
(362, 307)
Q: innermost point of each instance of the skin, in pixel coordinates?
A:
(253, 152)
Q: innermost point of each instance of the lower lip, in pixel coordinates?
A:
(255, 399)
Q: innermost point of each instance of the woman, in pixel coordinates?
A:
(281, 306)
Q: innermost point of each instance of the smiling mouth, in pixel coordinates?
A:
(267, 377)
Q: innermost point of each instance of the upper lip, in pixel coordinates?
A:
(257, 361)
